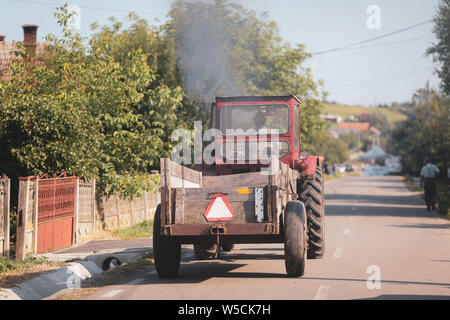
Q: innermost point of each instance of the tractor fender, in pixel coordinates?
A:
(311, 165)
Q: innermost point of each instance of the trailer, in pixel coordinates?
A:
(227, 203)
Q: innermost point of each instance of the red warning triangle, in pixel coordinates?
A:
(219, 209)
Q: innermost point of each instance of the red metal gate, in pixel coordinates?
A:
(56, 213)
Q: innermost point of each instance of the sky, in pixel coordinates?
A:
(376, 72)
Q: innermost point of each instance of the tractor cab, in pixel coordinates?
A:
(252, 129)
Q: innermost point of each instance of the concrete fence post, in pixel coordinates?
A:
(35, 214)
(94, 218)
(22, 217)
(117, 210)
(77, 202)
(4, 249)
(146, 215)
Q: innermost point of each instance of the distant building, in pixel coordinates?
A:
(7, 48)
(336, 132)
(363, 117)
(331, 118)
(359, 126)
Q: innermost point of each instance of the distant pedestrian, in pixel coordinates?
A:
(326, 168)
(428, 176)
(334, 169)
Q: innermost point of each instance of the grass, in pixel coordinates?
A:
(346, 111)
(442, 195)
(411, 185)
(141, 230)
(328, 177)
(13, 271)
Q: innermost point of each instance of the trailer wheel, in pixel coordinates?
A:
(166, 250)
(311, 193)
(227, 247)
(295, 238)
(204, 251)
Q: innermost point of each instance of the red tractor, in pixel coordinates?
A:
(240, 197)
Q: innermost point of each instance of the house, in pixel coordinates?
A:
(7, 48)
(331, 118)
(345, 128)
(357, 126)
(363, 117)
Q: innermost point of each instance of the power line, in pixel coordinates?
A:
(91, 8)
(367, 50)
(379, 83)
(371, 39)
(389, 77)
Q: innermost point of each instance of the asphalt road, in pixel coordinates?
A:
(375, 230)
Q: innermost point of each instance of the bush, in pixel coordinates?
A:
(443, 198)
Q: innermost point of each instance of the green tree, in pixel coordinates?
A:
(425, 134)
(441, 50)
(333, 150)
(78, 110)
(379, 120)
(225, 49)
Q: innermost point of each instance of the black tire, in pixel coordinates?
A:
(205, 251)
(295, 238)
(311, 193)
(227, 247)
(166, 250)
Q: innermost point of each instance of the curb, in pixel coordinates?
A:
(88, 266)
(47, 284)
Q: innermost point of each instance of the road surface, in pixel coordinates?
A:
(375, 230)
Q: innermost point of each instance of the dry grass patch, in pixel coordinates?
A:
(14, 271)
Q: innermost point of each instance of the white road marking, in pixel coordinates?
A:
(347, 231)
(322, 293)
(136, 281)
(339, 253)
(111, 293)
(152, 272)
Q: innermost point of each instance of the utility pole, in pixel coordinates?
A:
(427, 98)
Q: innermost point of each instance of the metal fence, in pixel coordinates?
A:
(57, 212)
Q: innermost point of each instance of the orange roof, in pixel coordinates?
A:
(7, 53)
(361, 126)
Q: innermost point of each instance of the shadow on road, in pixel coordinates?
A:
(422, 225)
(266, 256)
(382, 199)
(346, 210)
(446, 285)
(407, 297)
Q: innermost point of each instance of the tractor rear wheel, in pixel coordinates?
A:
(295, 238)
(166, 250)
(311, 193)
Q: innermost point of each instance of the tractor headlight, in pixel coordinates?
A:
(303, 155)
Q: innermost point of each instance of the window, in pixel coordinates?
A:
(269, 117)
